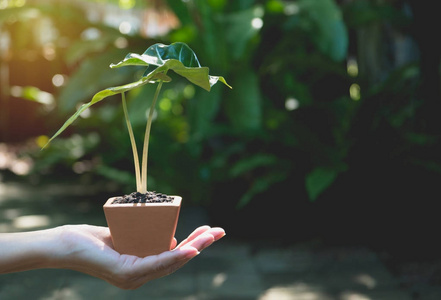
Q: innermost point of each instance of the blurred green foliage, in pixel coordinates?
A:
(312, 81)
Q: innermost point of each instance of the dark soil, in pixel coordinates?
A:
(149, 197)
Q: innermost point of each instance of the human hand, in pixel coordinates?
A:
(89, 249)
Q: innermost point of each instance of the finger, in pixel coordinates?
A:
(173, 256)
(197, 232)
(203, 237)
(161, 263)
(174, 267)
(217, 233)
(201, 242)
(174, 243)
(166, 263)
(206, 238)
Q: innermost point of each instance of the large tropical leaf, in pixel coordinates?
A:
(158, 59)
(178, 57)
(158, 54)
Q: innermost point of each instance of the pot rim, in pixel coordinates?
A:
(176, 202)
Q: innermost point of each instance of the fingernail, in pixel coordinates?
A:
(218, 233)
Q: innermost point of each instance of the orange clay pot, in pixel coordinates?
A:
(142, 229)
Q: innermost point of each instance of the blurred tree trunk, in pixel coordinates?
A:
(426, 23)
(384, 46)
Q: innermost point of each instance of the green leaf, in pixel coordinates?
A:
(158, 54)
(252, 162)
(324, 20)
(198, 76)
(131, 59)
(260, 185)
(319, 180)
(178, 51)
(244, 104)
(214, 79)
(34, 94)
(201, 110)
(240, 29)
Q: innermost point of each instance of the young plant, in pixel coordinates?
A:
(158, 60)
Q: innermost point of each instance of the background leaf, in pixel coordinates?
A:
(324, 21)
(244, 103)
(318, 180)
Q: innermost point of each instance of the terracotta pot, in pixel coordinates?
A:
(142, 229)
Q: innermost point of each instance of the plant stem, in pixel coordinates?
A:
(146, 140)
(132, 141)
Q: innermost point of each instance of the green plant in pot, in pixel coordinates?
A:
(144, 223)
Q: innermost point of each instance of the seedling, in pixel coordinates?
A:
(158, 59)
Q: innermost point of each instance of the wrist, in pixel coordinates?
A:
(52, 253)
(28, 250)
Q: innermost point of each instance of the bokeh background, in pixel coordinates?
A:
(331, 131)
